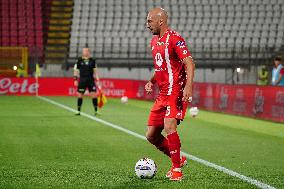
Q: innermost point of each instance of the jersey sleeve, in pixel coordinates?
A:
(282, 71)
(151, 43)
(94, 65)
(77, 64)
(180, 48)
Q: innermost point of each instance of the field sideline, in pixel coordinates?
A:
(43, 146)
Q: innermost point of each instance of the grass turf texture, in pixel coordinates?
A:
(44, 146)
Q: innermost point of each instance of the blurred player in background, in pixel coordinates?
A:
(262, 76)
(85, 71)
(174, 71)
(21, 71)
(278, 72)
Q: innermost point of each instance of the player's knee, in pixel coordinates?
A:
(170, 125)
(170, 130)
(150, 137)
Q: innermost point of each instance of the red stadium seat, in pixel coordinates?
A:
(22, 26)
(38, 20)
(5, 33)
(13, 20)
(14, 41)
(5, 7)
(38, 27)
(5, 41)
(13, 13)
(19, 19)
(5, 19)
(29, 13)
(14, 33)
(22, 41)
(39, 41)
(39, 34)
(5, 27)
(22, 20)
(31, 40)
(14, 25)
(29, 9)
(21, 3)
(30, 25)
(20, 14)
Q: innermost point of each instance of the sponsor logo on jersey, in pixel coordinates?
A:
(180, 43)
(160, 43)
(160, 69)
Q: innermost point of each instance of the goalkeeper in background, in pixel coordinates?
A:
(85, 71)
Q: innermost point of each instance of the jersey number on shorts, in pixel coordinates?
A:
(159, 59)
(168, 111)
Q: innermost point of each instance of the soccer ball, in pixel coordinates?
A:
(145, 168)
(124, 99)
(193, 111)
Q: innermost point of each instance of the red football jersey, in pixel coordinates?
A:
(282, 71)
(168, 53)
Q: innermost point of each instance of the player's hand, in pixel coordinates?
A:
(75, 83)
(148, 87)
(187, 94)
(99, 84)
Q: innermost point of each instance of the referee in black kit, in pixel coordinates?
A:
(85, 71)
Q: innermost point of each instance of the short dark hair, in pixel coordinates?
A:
(278, 58)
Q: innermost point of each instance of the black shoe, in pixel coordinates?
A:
(97, 113)
(78, 113)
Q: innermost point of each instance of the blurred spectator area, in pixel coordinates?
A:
(218, 32)
(21, 25)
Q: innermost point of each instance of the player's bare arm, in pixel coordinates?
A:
(96, 75)
(76, 75)
(149, 85)
(279, 79)
(190, 67)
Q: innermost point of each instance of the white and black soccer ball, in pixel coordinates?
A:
(193, 111)
(124, 100)
(145, 168)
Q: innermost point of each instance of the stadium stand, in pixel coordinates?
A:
(21, 24)
(21, 27)
(218, 31)
(58, 31)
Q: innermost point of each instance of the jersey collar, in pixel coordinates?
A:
(166, 32)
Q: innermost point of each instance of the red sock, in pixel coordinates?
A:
(163, 145)
(174, 146)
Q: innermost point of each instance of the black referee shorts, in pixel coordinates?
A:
(86, 83)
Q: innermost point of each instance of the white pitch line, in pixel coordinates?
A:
(194, 158)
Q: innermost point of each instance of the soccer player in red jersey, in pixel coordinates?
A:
(174, 71)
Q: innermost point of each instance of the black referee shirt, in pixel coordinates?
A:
(85, 66)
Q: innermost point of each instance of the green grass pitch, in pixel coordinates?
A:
(45, 146)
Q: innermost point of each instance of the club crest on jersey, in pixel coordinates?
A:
(160, 43)
(86, 62)
(159, 59)
(180, 43)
